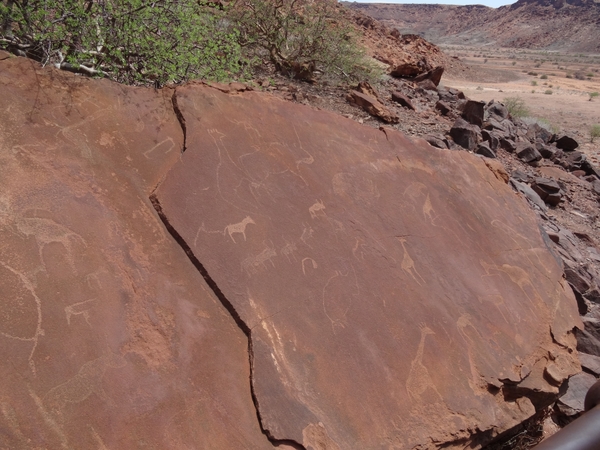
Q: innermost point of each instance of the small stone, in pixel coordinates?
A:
(402, 99)
(443, 107)
(485, 150)
(567, 143)
(465, 134)
(473, 112)
(527, 153)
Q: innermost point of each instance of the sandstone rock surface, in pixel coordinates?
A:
(109, 337)
(306, 280)
(378, 278)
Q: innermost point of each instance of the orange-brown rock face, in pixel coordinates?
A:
(109, 337)
(395, 294)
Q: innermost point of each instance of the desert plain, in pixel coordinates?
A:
(555, 87)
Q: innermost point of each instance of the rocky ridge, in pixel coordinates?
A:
(570, 26)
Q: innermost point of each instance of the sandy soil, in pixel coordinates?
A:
(540, 79)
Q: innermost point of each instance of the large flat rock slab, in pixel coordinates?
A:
(109, 336)
(397, 295)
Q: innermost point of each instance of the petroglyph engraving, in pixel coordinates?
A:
(253, 264)
(314, 264)
(518, 276)
(344, 292)
(49, 419)
(86, 382)
(357, 249)
(318, 208)
(289, 251)
(419, 380)
(307, 233)
(38, 304)
(202, 229)
(239, 227)
(47, 231)
(165, 145)
(81, 308)
(98, 439)
(361, 189)
(408, 265)
(78, 139)
(428, 209)
(463, 324)
(307, 160)
(337, 226)
(10, 419)
(418, 193)
(316, 436)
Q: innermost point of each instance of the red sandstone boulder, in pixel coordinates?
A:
(109, 336)
(378, 277)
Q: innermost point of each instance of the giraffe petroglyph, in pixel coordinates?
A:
(419, 380)
(408, 265)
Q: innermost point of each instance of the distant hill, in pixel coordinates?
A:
(564, 25)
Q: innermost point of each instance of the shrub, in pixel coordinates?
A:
(534, 83)
(130, 41)
(548, 92)
(594, 132)
(592, 95)
(544, 77)
(300, 37)
(516, 106)
(542, 122)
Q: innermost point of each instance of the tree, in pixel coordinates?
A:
(130, 41)
(300, 37)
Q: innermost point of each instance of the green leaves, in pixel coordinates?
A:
(301, 37)
(131, 41)
(170, 41)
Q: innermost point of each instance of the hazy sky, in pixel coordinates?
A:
(492, 3)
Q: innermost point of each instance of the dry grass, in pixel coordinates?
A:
(528, 434)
